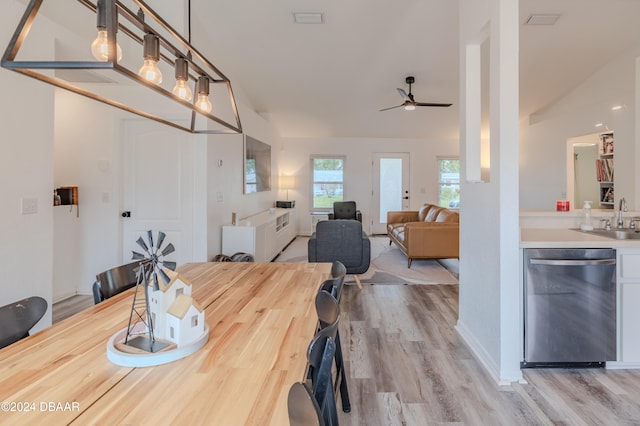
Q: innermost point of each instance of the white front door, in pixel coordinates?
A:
(390, 187)
(158, 188)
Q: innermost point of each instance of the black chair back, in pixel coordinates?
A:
(333, 286)
(16, 319)
(338, 269)
(303, 407)
(328, 311)
(320, 355)
(115, 280)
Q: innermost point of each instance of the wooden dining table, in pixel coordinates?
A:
(261, 318)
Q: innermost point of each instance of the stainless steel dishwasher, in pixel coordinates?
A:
(570, 307)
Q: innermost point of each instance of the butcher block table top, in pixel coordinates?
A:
(261, 318)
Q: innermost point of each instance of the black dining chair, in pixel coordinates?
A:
(338, 269)
(16, 319)
(328, 312)
(333, 286)
(303, 407)
(114, 281)
(320, 356)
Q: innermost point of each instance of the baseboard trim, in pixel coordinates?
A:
(482, 355)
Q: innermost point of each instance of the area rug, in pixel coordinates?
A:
(388, 265)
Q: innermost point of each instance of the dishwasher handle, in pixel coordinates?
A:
(572, 262)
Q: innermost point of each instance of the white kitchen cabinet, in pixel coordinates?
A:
(628, 303)
(263, 235)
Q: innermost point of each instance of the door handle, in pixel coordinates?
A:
(570, 262)
(126, 214)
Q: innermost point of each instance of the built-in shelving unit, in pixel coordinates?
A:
(263, 235)
(605, 168)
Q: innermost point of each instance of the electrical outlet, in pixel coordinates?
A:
(29, 206)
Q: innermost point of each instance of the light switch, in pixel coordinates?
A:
(29, 206)
(219, 196)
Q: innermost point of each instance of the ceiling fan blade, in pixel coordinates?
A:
(168, 249)
(403, 94)
(386, 109)
(429, 104)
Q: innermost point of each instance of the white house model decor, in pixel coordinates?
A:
(176, 317)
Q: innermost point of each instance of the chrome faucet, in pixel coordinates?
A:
(622, 207)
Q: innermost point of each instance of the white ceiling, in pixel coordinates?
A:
(331, 79)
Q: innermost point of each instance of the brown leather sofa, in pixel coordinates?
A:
(433, 232)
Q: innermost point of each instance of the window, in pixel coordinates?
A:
(327, 182)
(250, 181)
(194, 321)
(449, 182)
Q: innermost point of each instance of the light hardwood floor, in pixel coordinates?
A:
(407, 366)
(67, 307)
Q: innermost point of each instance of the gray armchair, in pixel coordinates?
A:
(345, 210)
(341, 240)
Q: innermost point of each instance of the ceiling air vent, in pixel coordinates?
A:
(308, 17)
(542, 19)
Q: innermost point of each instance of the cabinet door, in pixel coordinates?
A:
(630, 322)
(262, 242)
(238, 239)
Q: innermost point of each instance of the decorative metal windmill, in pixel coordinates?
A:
(152, 261)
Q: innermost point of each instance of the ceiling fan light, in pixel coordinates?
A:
(409, 107)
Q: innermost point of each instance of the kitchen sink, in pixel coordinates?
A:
(618, 234)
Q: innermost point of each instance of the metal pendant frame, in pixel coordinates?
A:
(121, 21)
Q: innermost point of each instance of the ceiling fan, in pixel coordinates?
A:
(409, 103)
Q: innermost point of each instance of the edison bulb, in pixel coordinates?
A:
(182, 90)
(203, 102)
(150, 71)
(100, 47)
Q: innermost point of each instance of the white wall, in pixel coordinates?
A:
(543, 159)
(295, 160)
(489, 235)
(225, 182)
(88, 240)
(26, 170)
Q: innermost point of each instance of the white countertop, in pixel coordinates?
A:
(569, 238)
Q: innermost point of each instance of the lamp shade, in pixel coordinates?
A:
(287, 182)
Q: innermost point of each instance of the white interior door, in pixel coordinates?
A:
(390, 187)
(158, 188)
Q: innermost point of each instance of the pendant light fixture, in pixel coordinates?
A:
(203, 103)
(181, 89)
(149, 70)
(123, 27)
(100, 46)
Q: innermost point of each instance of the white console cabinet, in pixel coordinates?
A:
(263, 235)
